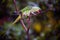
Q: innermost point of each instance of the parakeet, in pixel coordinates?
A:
(26, 12)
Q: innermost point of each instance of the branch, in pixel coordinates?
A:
(23, 25)
(17, 11)
(28, 20)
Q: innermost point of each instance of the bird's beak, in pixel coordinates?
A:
(38, 11)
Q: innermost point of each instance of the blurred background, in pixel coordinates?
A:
(43, 27)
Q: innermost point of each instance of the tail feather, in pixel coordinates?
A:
(17, 19)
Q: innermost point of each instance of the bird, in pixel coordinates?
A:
(31, 8)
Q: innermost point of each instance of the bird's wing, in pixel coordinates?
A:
(24, 11)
